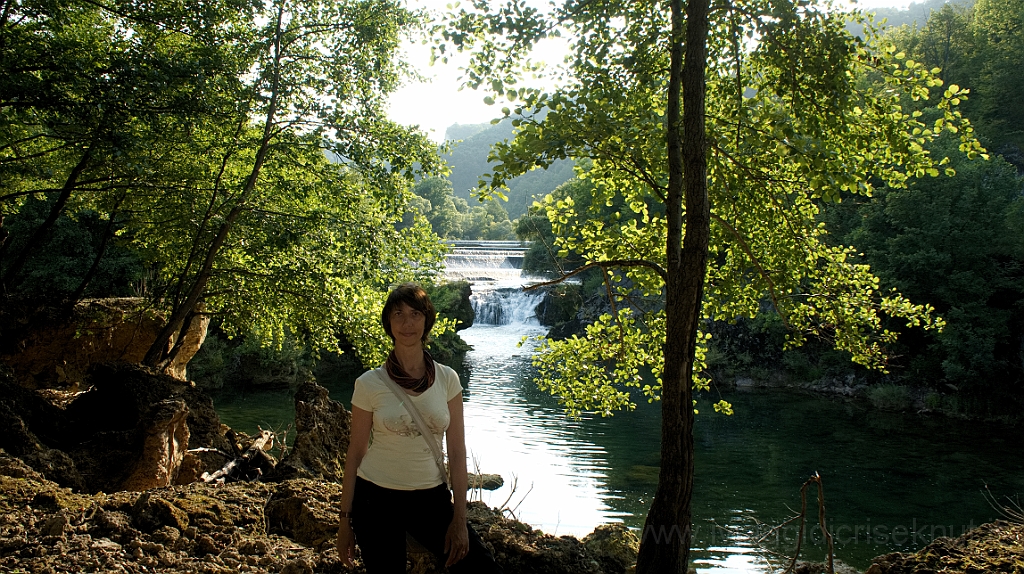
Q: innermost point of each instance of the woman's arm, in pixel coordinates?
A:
(456, 440)
(358, 442)
(457, 540)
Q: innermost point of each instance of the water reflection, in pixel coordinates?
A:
(553, 479)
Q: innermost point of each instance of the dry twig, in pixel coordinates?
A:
(821, 522)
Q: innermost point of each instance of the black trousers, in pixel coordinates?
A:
(381, 517)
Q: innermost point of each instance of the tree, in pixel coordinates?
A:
(953, 243)
(488, 221)
(320, 71)
(740, 142)
(979, 48)
(999, 33)
(242, 150)
(543, 257)
(85, 103)
(442, 214)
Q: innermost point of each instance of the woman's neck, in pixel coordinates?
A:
(411, 359)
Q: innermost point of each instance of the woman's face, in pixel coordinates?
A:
(407, 325)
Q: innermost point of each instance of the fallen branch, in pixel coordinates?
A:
(263, 442)
(208, 449)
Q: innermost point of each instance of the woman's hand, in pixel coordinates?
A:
(346, 543)
(456, 541)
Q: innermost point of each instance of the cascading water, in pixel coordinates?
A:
(494, 269)
(505, 306)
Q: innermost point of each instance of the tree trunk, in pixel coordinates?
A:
(108, 234)
(167, 343)
(665, 541)
(39, 235)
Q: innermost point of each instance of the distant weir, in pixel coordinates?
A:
(494, 269)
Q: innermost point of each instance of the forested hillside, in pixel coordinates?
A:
(468, 161)
(915, 14)
(449, 203)
(957, 243)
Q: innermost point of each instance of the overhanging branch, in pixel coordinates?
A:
(604, 265)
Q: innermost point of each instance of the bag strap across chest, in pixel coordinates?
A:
(428, 436)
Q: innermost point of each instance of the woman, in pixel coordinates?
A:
(392, 483)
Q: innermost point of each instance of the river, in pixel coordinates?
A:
(892, 481)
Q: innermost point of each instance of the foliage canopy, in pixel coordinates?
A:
(241, 150)
(795, 120)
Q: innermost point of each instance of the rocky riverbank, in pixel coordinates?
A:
(127, 477)
(989, 548)
(288, 527)
(285, 527)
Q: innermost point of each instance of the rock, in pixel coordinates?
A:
(519, 548)
(303, 511)
(22, 411)
(151, 513)
(20, 441)
(115, 524)
(104, 544)
(485, 481)
(16, 468)
(453, 300)
(589, 311)
(46, 348)
(298, 566)
(191, 468)
(163, 447)
(322, 428)
(614, 546)
(838, 567)
(205, 544)
(993, 547)
(55, 525)
(131, 429)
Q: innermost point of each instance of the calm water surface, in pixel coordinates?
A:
(891, 481)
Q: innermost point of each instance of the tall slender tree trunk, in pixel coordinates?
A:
(665, 540)
(168, 341)
(108, 234)
(40, 233)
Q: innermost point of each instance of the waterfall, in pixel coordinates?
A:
(505, 306)
(494, 269)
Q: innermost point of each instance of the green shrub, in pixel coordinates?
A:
(209, 367)
(800, 367)
(889, 397)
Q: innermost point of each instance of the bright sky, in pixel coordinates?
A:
(438, 103)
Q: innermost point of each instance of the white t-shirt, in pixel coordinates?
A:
(398, 456)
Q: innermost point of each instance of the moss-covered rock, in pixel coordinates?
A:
(614, 546)
(451, 300)
(990, 548)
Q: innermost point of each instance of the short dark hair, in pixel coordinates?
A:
(414, 296)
